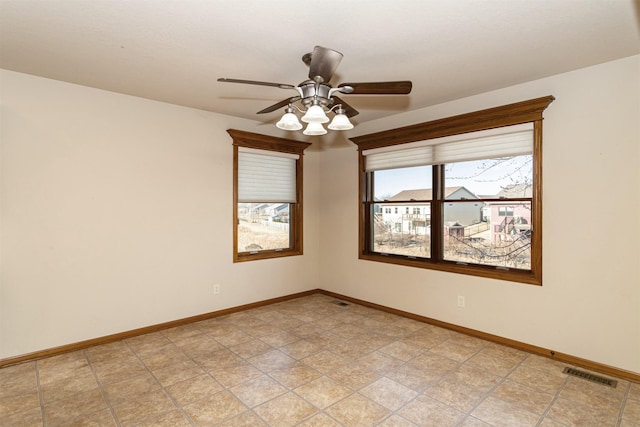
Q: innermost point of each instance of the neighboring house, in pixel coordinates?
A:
(510, 218)
(403, 215)
(264, 213)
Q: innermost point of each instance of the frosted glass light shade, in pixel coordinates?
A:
(289, 121)
(315, 128)
(340, 122)
(315, 114)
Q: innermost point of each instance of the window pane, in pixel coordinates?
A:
(502, 238)
(263, 226)
(402, 233)
(395, 183)
(509, 177)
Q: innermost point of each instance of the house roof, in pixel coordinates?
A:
(173, 51)
(425, 194)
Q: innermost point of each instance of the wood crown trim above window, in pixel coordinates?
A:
(529, 111)
(266, 142)
(506, 115)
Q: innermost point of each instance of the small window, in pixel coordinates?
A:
(267, 196)
(472, 184)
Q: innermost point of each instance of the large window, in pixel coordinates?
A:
(267, 184)
(461, 194)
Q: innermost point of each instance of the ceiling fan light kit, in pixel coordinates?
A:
(317, 95)
(314, 128)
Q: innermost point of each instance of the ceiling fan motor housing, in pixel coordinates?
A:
(310, 92)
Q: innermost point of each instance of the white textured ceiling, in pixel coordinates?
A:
(174, 50)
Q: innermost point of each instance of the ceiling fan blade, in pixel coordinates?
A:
(253, 82)
(279, 105)
(380, 88)
(324, 62)
(349, 110)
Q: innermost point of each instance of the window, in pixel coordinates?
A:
(473, 183)
(267, 192)
(505, 211)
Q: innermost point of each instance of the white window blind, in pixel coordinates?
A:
(506, 141)
(266, 176)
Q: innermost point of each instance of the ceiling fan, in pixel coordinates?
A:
(318, 97)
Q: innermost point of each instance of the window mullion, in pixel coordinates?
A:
(436, 213)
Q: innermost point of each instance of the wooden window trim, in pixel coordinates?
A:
(271, 143)
(529, 111)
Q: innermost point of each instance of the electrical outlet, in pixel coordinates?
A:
(216, 288)
(461, 301)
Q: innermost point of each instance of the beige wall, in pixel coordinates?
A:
(589, 304)
(116, 214)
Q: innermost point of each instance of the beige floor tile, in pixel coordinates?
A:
(632, 411)
(320, 420)
(286, 410)
(300, 349)
(473, 422)
(176, 372)
(500, 413)
(68, 386)
(396, 421)
(148, 343)
(257, 391)
(272, 360)
(245, 419)
(594, 394)
(357, 410)
(456, 394)
(117, 351)
(579, 414)
(379, 362)
(415, 377)
(218, 359)
(355, 376)
(164, 357)
(325, 361)
(495, 362)
(19, 403)
(307, 362)
(65, 366)
(131, 388)
(296, 375)
(546, 381)
(634, 391)
(17, 382)
(145, 406)
(170, 419)
(194, 389)
(388, 393)
(64, 411)
(322, 392)
(280, 338)
(454, 351)
(199, 345)
(528, 398)
(234, 338)
(401, 350)
(250, 348)
(476, 377)
(230, 376)
(103, 418)
(30, 418)
(214, 409)
(425, 412)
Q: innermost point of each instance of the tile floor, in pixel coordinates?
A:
(307, 362)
